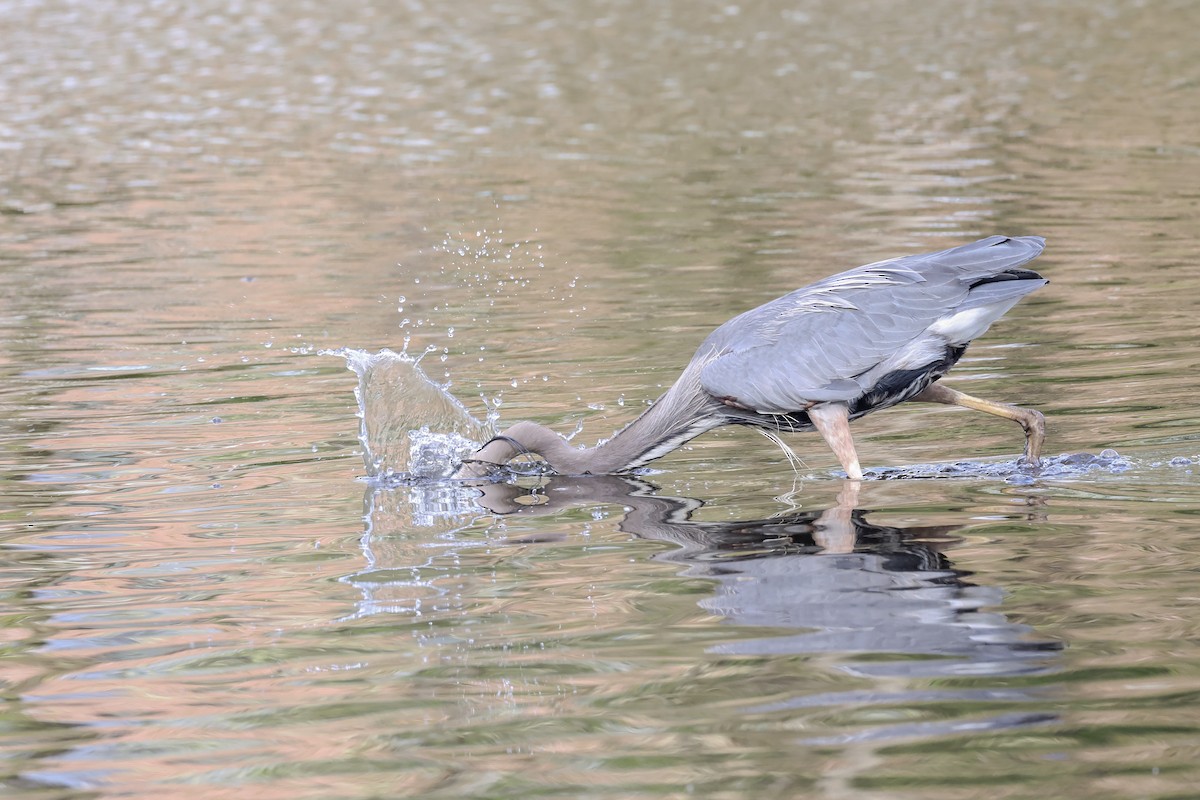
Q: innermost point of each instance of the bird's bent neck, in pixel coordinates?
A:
(684, 412)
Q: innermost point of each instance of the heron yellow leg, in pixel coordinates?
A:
(1032, 422)
(833, 422)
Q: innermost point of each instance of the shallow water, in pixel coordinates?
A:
(551, 205)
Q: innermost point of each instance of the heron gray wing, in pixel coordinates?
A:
(816, 355)
(818, 343)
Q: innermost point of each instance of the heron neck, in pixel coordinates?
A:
(681, 414)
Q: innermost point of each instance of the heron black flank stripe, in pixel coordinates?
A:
(845, 346)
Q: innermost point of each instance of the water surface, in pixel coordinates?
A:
(552, 204)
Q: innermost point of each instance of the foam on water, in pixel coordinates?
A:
(1066, 466)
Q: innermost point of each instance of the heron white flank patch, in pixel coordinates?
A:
(969, 323)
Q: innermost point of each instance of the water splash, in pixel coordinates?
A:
(412, 429)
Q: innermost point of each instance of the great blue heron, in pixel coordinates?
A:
(850, 344)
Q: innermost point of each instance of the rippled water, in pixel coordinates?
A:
(207, 212)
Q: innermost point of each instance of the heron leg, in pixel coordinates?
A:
(833, 422)
(1032, 422)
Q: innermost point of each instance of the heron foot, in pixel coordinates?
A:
(1034, 424)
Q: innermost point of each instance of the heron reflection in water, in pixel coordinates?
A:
(816, 358)
(847, 584)
(881, 601)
